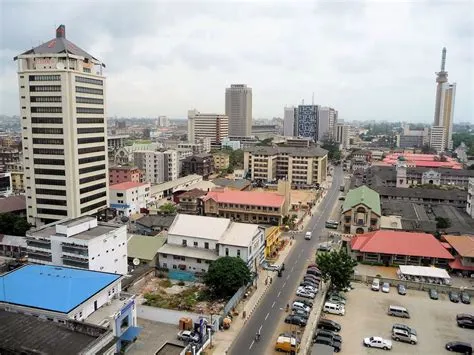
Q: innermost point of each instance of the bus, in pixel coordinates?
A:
(332, 224)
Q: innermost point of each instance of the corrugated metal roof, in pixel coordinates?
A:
(144, 247)
(199, 226)
(363, 195)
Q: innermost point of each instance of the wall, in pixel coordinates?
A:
(168, 316)
(102, 298)
(106, 261)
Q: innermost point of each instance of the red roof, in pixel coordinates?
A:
(126, 185)
(400, 243)
(252, 198)
(457, 265)
(423, 160)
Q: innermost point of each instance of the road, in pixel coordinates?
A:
(267, 316)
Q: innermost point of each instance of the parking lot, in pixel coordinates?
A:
(434, 321)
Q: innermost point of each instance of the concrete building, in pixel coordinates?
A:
(190, 202)
(6, 185)
(438, 138)
(343, 135)
(62, 100)
(413, 138)
(238, 108)
(195, 241)
(200, 164)
(265, 131)
(157, 166)
(163, 121)
(119, 174)
(18, 181)
(463, 250)
(8, 155)
(207, 125)
(308, 121)
(81, 243)
(116, 142)
(221, 161)
(470, 198)
(129, 197)
(360, 212)
(289, 121)
(302, 167)
(124, 155)
(327, 122)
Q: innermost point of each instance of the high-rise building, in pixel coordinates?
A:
(157, 166)
(308, 121)
(444, 108)
(327, 122)
(289, 121)
(207, 125)
(343, 135)
(62, 94)
(438, 138)
(162, 121)
(238, 107)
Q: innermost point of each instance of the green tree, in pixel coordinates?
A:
(442, 222)
(338, 267)
(226, 275)
(12, 224)
(265, 142)
(470, 167)
(167, 208)
(333, 149)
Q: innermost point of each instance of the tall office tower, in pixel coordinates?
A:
(327, 122)
(308, 121)
(342, 135)
(207, 125)
(162, 121)
(238, 107)
(62, 94)
(289, 121)
(444, 108)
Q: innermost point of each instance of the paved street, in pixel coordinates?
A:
(268, 316)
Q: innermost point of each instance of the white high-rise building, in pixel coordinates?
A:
(327, 122)
(238, 107)
(62, 95)
(343, 135)
(157, 166)
(438, 138)
(207, 125)
(162, 121)
(289, 121)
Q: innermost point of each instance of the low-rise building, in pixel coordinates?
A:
(119, 174)
(400, 248)
(12, 246)
(18, 181)
(470, 198)
(200, 164)
(190, 202)
(129, 197)
(82, 243)
(6, 187)
(221, 161)
(13, 204)
(463, 251)
(195, 241)
(233, 184)
(272, 241)
(361, 211)
(154, 223)
(143, 249)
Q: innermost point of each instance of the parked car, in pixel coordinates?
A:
(188, 336)
(401, 290)
(311, 289)
(336, 345)
(309, 283)
(466, 323)
(329, 325)
(386, 287)
(378, 342)
(459, 347)
(338, 294)
(307, 303)
(404, 336)
(404, 327)
(433, 294)
(312, 278)
(375, 285)
(454, 296)
(293, 319)
(301, 313)
(328, 334)
(298, 305)
(313, 266)
(464, 316)
(313, 271)
(336, 299)
(290, 335)
(302, 292)
(465, 298)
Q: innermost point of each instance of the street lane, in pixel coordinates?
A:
(267, 316)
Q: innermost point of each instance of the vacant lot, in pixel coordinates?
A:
(434, 321)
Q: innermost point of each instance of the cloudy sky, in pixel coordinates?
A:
(368, 59)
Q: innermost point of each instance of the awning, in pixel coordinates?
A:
(457, 265)
(424, 271)
(131, 334)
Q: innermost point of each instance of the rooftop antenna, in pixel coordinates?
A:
(443, 59)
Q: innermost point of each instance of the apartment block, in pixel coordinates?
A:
(62, 110)
(327, 122)
(129, 197)
(470, 198)
(289, 121)
(308, 121)
(7, 156)
(303, 167)
(221, 161)
(438, 138)
(119, 174)
(157, 166)
(200, 164)
(207, 125)
(81, 243)
(343, 135)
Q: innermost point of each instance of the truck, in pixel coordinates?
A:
(188, 336)
(287, 345)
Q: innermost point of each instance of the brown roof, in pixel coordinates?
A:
(193, 193)
(12, 204)
(463, 244)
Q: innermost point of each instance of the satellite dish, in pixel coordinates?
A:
(136, 261)
(60, 66)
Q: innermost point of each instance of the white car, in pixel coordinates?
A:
(386, 287)
(302, 292)
(307, 236)
(311, 289)
(378, 342)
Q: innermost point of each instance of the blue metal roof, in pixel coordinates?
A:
(54, 288)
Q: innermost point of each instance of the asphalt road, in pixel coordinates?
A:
(267, 316)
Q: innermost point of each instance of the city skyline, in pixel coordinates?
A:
(264, 46)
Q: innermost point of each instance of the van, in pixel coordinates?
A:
(287, 345)
(307, 236)
(334, 308)
(376, 285)
(398, 311)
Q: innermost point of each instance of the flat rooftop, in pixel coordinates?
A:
(89, 234)
(52, 288)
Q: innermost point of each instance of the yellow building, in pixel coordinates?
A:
(221, 161)
(18, 183)
(272, 240)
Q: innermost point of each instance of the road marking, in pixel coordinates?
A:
(273, 305)
(260, 329)
(267, 316)
(288, 277)
(284, 283)
(250, 347)
(292, 269)
(279, 293)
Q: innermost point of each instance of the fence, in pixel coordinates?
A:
(235, 299)
(164, 315)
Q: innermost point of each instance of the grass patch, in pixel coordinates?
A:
(185, 300)
(165, 283)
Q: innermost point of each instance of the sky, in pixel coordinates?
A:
(371, 60)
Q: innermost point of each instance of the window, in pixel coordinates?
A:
(40, 130)
(92, 188)
(48, 151)
(90, 130)
(89, 100)
(52, 120)
(198, 261)
(50, 192)
(238, 253)
(185, 242)
(82, 79)
(45, 88)
(206, 245)
(50, 172)
(49, 161)
(119, 194)
(55, 141)
(90, 140)
(91, 159)
(85, 90)
(88, 120)
(226, 251)
(195, 244)
(91, 169)
(46, 201)
(50, 182)
(47, 109)
(45, 77)
(89, 110)
(45, 99)
(91, 150)
(91, 178)
(51, 211)
(93, 197)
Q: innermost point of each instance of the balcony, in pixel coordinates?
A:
(38, 243)
(39, 255)
(75, 261)
(75, 251)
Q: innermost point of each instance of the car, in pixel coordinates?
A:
(290, 335)
(375, 285)
(465, 298)
(466, 323)
(300, 306)
(307, 236)
(313, 266)
(459, 347)
(188, 336)
(342, 198)
(311, 278)
(464, 316)
(301, 313)
(272, 267)
(314, 271)
(325, 247)
(311, 289)
(309, 283)
(336, 299)
(336, 345)
(433, 294)
(401, 290)
(404, 336)
(307, 303)
(378, 342)
(293, 319)
(337, 294)
(386, 287)
(454, 296)
(329, 325)
(404, 327)
(328, 334)
(302, 292)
